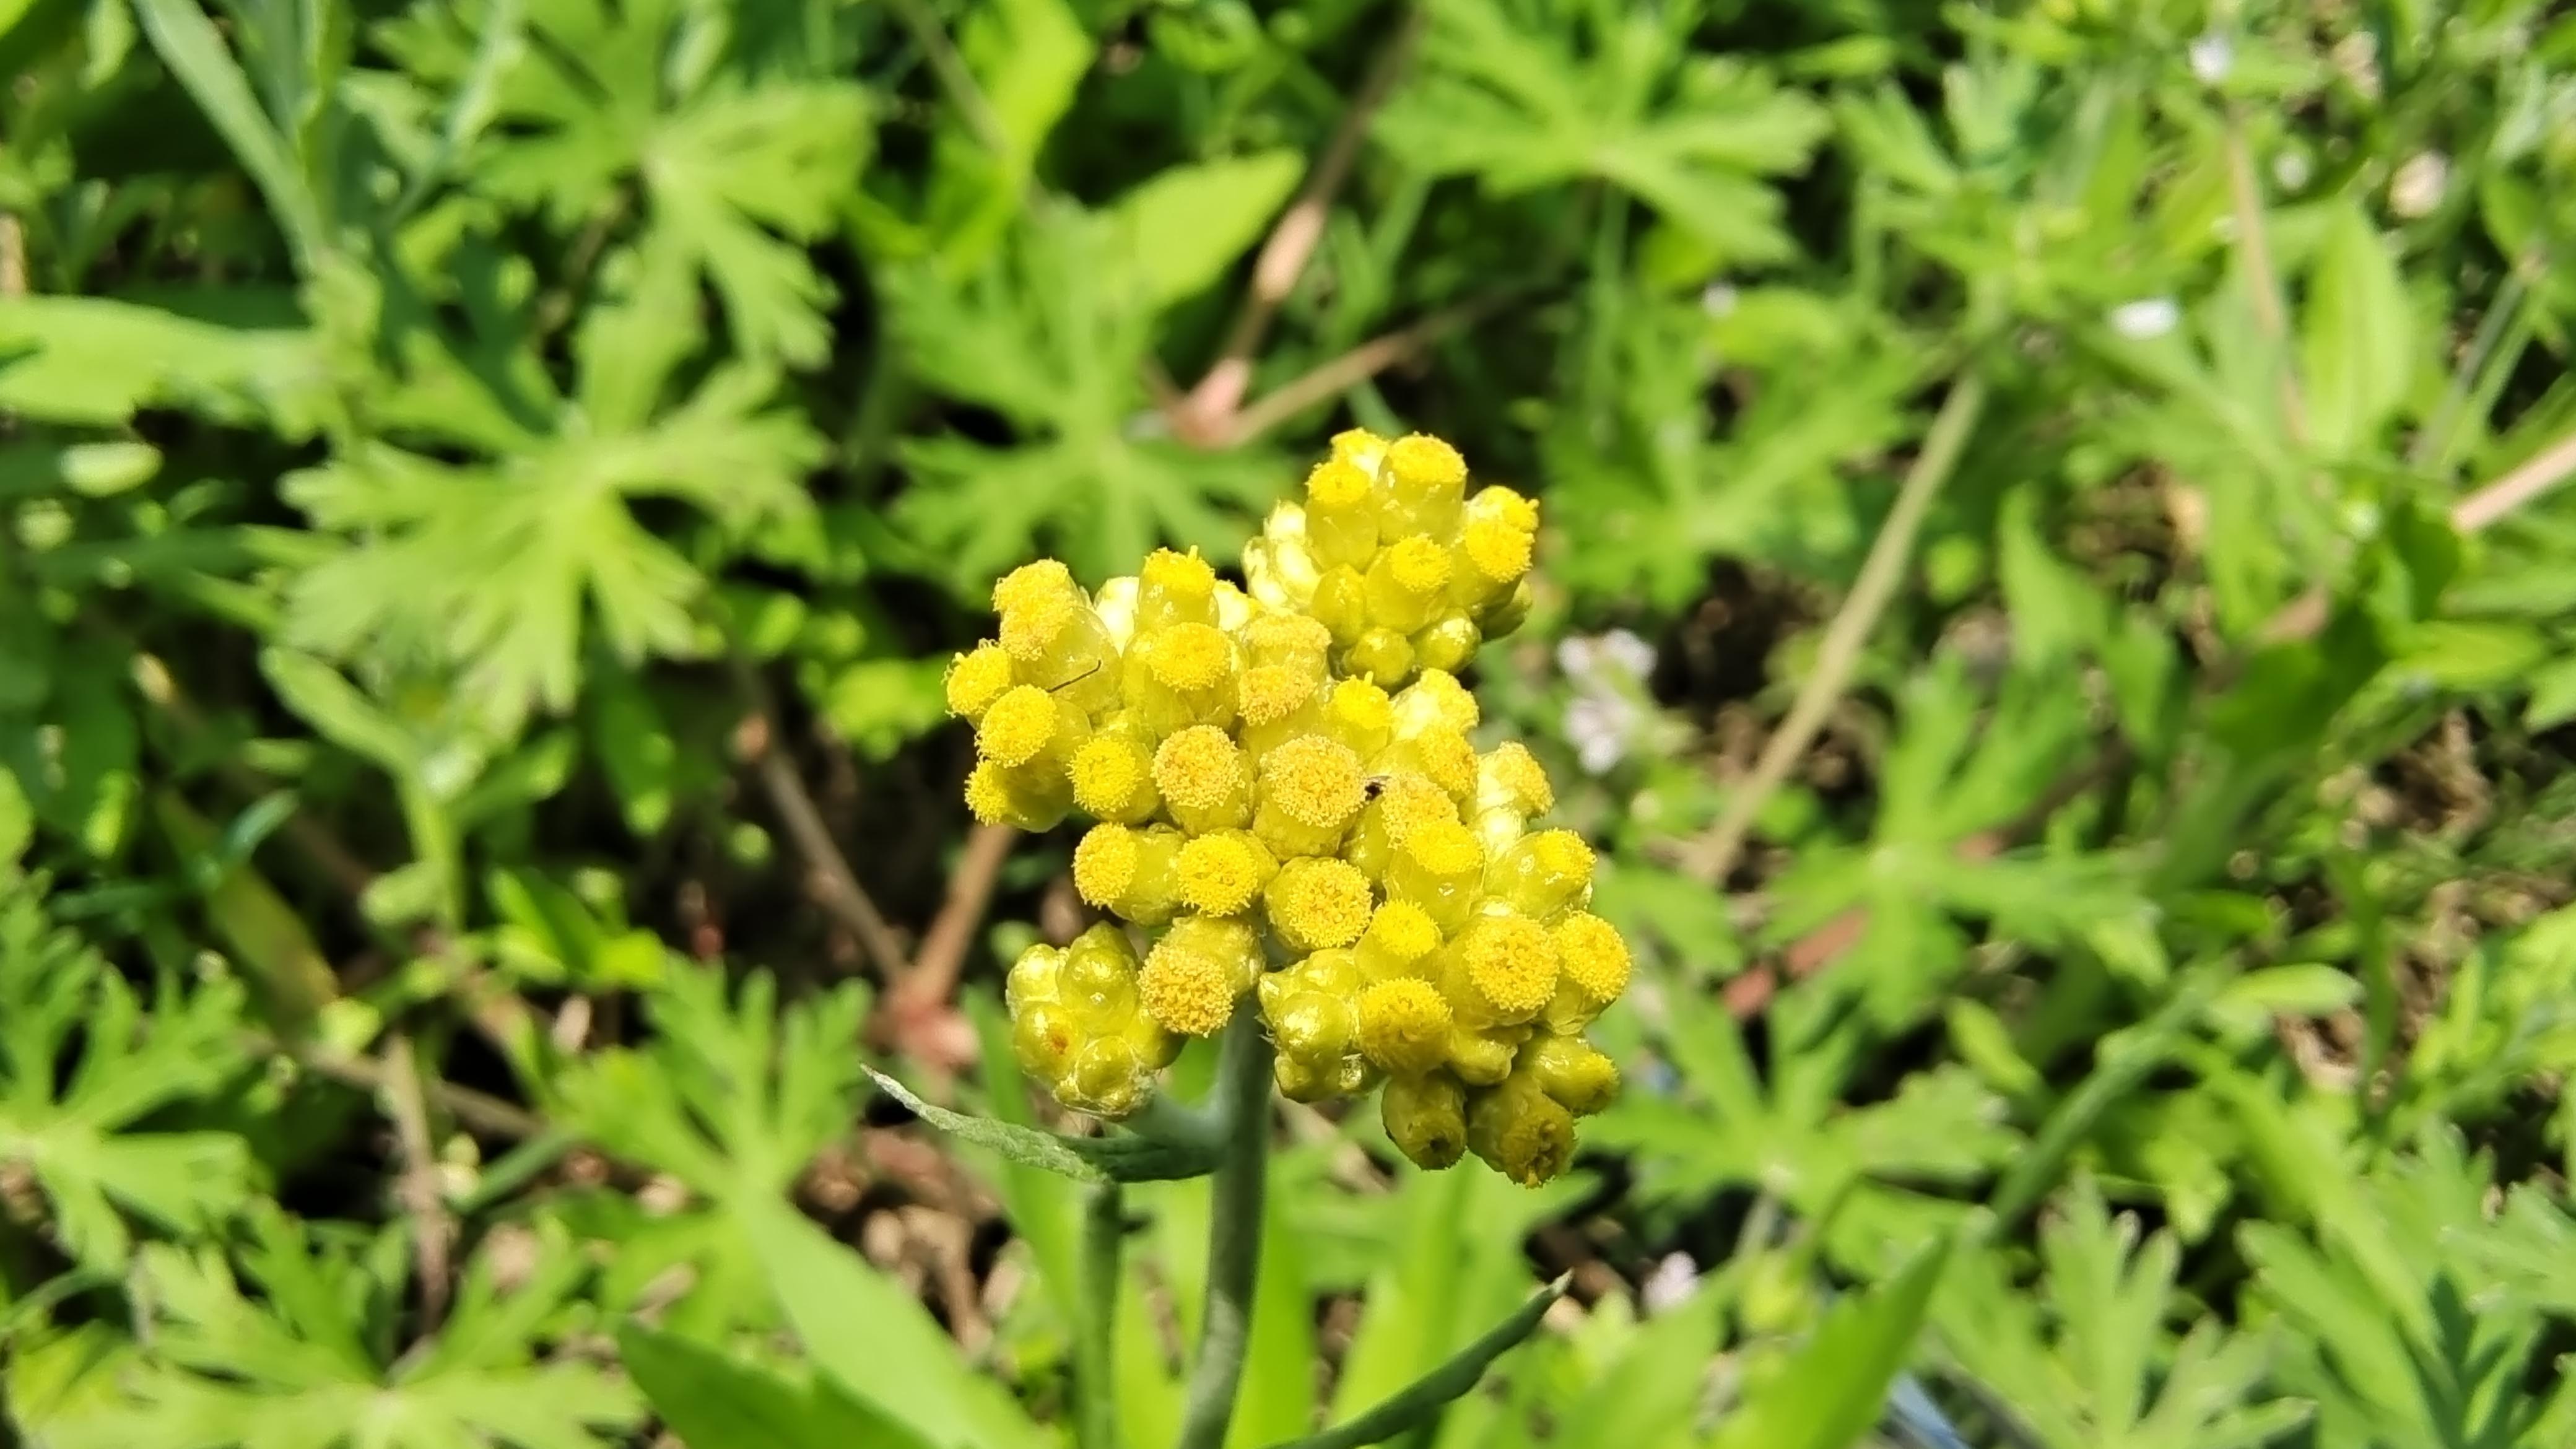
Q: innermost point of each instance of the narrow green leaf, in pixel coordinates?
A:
(1426, 1396)
(1124, 1158)
(326, 700)
(715, 1402)
(2357, 347)
(1832, 1391)
(194, 50)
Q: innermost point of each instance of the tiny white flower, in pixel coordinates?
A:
(2419, 184)
(1717, 299)
(2147, 317)
(1670, 1286)
(1625, 649)
(1598, 726)
(2290, 170)
(1574, 657)
(2212, 57)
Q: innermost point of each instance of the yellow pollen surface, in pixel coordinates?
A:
(1198, 767)
(1418, 565)
(1337, 483)
(977, 678)
(1409, 802)
(1511, 963)
(1499, 551)
(1519, 772)
(1404, 931)
(1270, 693)
(1104, 864)
(1031, 628)
(1448, 759)
(1219, 874)
(1421, 458)
(1108, 774)
(1562, 852)
(1314, 780)
(1362, 706)
(1017, 727)
(1593, 956)
(1404, 1025)
(1185, 991)
(1188, 657)
(1444, 848)
(988, 795)
(1185, 574)
(1030, 582)
(1319, 904)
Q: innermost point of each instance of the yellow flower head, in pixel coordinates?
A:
(1104, 864)
(1197, 768)
(1314, 780)
(1026, 797)
(1423, 460)
(1317, 904)
(1443, 848)
(1404, 1025)
(1181, 575)
(1593, 957)
(1509, 775)
(1031, 582)
(1113, 778)
(1188, 658)
(977, 678)
(1038, 603)
(1417, 565)
(1358, 714)
(1193, 975)
(1337, 483)
(1498, 552)
(1435, 700)
(1509, 965)
(1018, 726)
(1222, 872)
(1399, 940)
(1270, 693)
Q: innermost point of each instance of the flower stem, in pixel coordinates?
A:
(1095, 1347)
(1242, 1097)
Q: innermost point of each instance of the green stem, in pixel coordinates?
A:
(1242, 1095)
(1094, 1349)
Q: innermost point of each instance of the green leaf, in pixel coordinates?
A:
(1425, 1397)
(2357, 344)
(1831, 1392)
(2470, 654)
(194, 50)
(1126, 1157)
(715, 1402)
(94, 361)
(323, 698)
(1176, 233)
(876, 1340)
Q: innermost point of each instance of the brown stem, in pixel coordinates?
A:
(1212, 405)
(836, 886)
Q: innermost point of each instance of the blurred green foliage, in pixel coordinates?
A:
(472, 470)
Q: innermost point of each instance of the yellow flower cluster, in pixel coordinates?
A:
(1289, 806)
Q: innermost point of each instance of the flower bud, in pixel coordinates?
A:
(1097, 980)
(1506, 614)
(1448, 642)
(1056, 640)
(1311, 789)
(1404, 802)
(1113, 775)
(1520, 1132)
(1404, 1026)
(1340, 604)
(1220, 872)
(1341, 513)
(1406, 583)
(1426, 486)
(1317, 904)
(1109, 1077)
(1382, 656)
(1181, 675)
(1359, 715)
(1543, 874)
(1511, 787)
(1203, 781)
(1438, 868)
(1400, 941)
(1174, 588)
(1483, 1056)
(977, 678)
(1034, 978)
(1194, 974)
(1132, 873)
(1029, 797)
(1438, 754)
(1572, 1071)
(1593, 969)
(1426, 1118)
(1495, 544)
(1500, 971)
(1279, 564)
(1026, 725)
(1436, 701)
(1044, 1038)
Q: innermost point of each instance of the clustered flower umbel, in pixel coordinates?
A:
(1289, 806)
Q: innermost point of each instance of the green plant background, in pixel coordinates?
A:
(490, 489)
